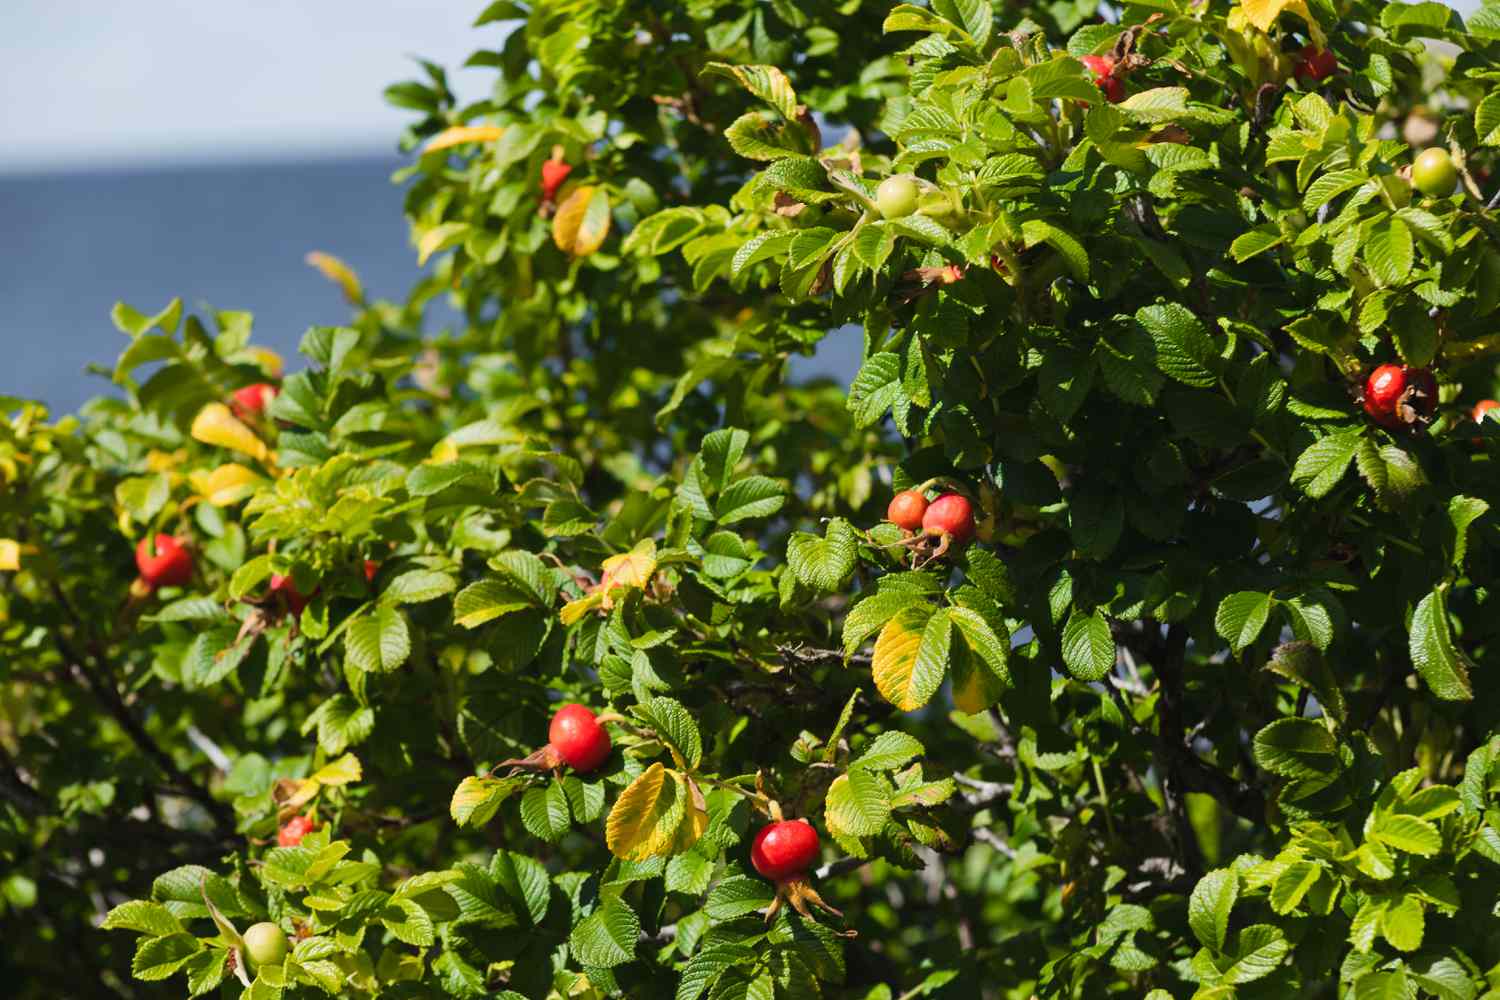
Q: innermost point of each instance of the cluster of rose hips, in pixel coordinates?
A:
(948, 521)
(783, 851)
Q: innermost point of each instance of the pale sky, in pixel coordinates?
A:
(96, 84)
(93, 84)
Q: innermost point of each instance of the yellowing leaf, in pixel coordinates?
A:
(911, 656)
(695, 816)
(630, 569)
(574, 610)
(165, 461)
(215, 425)
(648, 815)
(1263, 14)
(582, 221)
(339, 273)
(228, 484)
(10, 555)
(439, 237)
(457, 135)
(340, 772)
(269, 361)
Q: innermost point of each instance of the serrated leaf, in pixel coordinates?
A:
(607, 937)
(1241, 618)
(911, 656)
(857, 804)
(823, 564)
(1324, 462)
(378, 640)
(1088, 647)
(1209, 906)
(1441, 664)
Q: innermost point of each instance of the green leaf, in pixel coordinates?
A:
(1403, 923)
(144, 916)
(674, 726)
(1260, 949)
(890, 750)
(1256, 241)
(1407, 833)
(736, 896)
(476, 799)
(1184, 350)
(768, 83)
(544, 812)
(1390, 253)
(858, 804)
(378, 640)
(1295, 748)
(1441, 664)
(489, 599)
(1210, 904)
(1088, 647)
(417, 586)
(1462, 512)
(1241, 618)
(607, 937)
(160, 957)
(753, 496)
(823, 564)
(875, 389)
(1320, 467)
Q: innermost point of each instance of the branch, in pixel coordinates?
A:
(802, 655)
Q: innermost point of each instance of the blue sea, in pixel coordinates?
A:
(221, 237)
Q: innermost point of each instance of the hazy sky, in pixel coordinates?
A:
(97, 84)
(94, 84)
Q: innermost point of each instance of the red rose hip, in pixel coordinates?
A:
(252, 400)
(286, 587)
(1484, 406)
(171, 565)
(294, 830)
(906, 510)
(554, 172)
(950, 516)
(1315, 64)
(1103, 70)
(1396, 395)
(785, 850)
(371, 568)
(578, 738)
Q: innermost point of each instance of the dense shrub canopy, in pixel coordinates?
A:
(1200, 711)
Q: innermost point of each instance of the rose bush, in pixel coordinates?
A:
(1199, 710)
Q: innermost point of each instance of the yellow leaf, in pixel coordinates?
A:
(643, 823)
(228, 484)
(911, 657)
(975, 686)
(340, 772)
(339, 273)
(630, 569)
(1263, 14)
(10, 555)
(439, 237)
(457, 135)
(574, 610)
(215, 425)
(305, 790)
(165, 461)
(268, 360)
(582, 221)
(695, 817)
